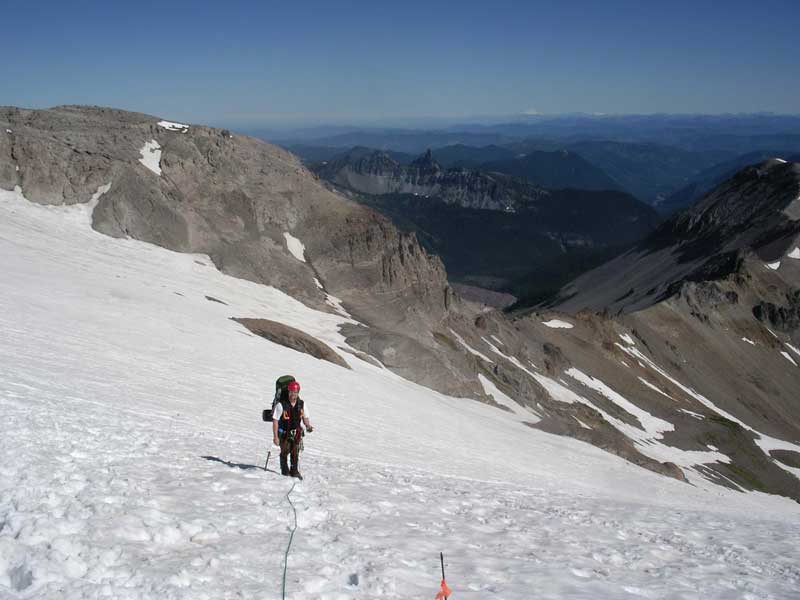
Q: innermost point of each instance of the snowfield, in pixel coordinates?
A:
(151, 156)
(133, 453)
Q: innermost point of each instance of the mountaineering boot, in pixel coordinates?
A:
(284, 462)
(296, 474)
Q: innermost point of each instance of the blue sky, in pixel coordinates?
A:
(263, 62)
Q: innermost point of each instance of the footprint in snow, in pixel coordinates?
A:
(582, 573)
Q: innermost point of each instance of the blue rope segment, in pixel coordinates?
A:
(291, 537)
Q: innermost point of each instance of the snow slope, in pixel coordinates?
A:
(133, 450)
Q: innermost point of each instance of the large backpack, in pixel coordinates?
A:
(281, 392)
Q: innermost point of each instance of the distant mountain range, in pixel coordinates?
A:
(652, 157)
(648, 171)
(493, 229)
(733, 133)
(561, 169)
(470, 157)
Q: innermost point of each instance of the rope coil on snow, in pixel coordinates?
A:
(291, 537)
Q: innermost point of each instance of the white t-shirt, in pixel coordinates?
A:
(277, 412)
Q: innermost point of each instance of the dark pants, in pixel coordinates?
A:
(290, 447)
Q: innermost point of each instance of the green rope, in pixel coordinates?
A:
(291, 537)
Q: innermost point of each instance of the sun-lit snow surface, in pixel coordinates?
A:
(774, 265)
(151, 156)
(794, 253)
(169, 125)
(132, 447)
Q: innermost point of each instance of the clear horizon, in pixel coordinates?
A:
(274, 65)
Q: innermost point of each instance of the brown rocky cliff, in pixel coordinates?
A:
(233, 198)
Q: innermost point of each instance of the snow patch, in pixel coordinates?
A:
(749, 341)
(558, 391)
(504, 400)
(582, 424)
(646, 437)
(88, 208)
(627, 339)
(794, 253)
(331, 301)
(655, 388)
(336, 304)
(9, 131)
(697, 416)
(512, 359)
(765, 442)
(792, 348)
(169, 125)
(470, 348)
(653, 426)
(295, 246)
(774, 265)
(557, 324)
(151, 156)
(788, 357)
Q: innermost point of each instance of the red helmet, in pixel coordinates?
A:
(293, 386)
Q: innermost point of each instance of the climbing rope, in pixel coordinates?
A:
(291, 537)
